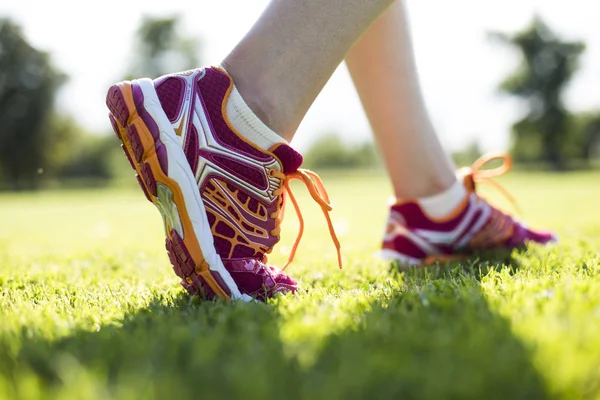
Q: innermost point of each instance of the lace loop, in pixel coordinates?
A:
(319, 194)
(481, 175)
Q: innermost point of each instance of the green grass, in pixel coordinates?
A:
(89, 308)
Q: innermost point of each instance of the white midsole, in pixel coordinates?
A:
(180, 171)
(391, 255)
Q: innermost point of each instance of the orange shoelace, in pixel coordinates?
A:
(318, 193)
(486, 176)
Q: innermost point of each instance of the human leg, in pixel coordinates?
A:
(284, 61)
(437, 213)
(209, 145)
(383, 69)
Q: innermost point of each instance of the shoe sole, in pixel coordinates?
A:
(406, 263)
(151, 146)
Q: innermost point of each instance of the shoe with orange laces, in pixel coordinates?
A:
(219, 189)
(413, 238)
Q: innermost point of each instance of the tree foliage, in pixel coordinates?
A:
(546, 133)
(161, 48)
(39, 143)
(330, 151)
(28, 83)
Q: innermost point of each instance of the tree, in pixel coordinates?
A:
(587, 125)
(547, 67)
(468, 154)
(28, 83)
(161, 48)
(330, 151)
(77, 153)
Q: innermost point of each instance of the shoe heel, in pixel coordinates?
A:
(148, 157)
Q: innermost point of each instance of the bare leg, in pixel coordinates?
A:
(284, 61)
(383, 69)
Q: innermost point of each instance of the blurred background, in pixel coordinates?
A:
(520, 76)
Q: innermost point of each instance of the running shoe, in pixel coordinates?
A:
(220, 195)
(414, 238)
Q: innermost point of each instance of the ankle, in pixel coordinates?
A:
(444, 202)
(261, 99)
(247, 124)
(410, 187)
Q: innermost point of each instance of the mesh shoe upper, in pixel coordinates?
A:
(242, 186)
(413, 237)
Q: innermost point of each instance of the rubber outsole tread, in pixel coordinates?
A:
(123, 121)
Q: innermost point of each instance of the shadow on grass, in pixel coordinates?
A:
(174, 348)
(475, 266)
(437, 339)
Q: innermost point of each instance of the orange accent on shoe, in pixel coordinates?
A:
(179, 129)
(481, 175)
(455, 213)
(223, 196)
(443, 219)
(318, 192)
(441, 258)
(496, 231)
(315, 188)
(190, 240)
(226, 117)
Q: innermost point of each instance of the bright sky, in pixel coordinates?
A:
(459, 67)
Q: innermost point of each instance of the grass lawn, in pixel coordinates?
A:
(90, 309)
